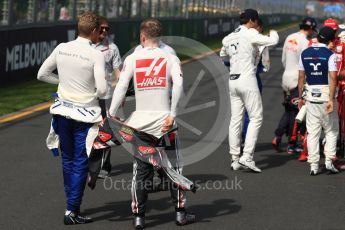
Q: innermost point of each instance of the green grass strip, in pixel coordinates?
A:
(25, 94)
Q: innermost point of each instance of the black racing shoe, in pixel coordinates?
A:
(139, 222)
(276, 141)
(184, 218)
(74, 218)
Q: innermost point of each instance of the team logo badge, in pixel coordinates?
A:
(126, 134)
(293, 42)
(146, 150)
(151, 73)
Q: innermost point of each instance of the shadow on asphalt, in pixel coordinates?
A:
(204, 212)
(274, 159)
(203, 178)
(114, 211)
(263, 147)
(120, 211)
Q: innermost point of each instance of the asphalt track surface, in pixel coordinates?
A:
(283, 196)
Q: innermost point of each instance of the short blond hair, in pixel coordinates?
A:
(152, 28)
(87, 22)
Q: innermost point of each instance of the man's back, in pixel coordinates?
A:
(294, 45)
(162, 46)
(315, 62)
(152, 71)
(241, 52)
(242, 48)
(76, 113)
(75, 63)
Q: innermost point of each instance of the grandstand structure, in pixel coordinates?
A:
(30, 12)
(31, 29)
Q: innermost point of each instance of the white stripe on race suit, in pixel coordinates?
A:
(135, 208)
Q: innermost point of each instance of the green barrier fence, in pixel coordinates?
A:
(24, 49)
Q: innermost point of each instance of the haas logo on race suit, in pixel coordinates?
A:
(151, 73)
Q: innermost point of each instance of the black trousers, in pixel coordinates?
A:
(142, 182)
(287, 120)
(99, 158)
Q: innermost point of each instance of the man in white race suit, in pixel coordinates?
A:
(242, 47)
(76, 112)
(318, 76)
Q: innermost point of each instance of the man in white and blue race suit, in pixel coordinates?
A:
(318, 77)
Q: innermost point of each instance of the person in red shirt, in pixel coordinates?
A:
(339, 49)
(330, 22)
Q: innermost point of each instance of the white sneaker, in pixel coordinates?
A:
(250, 164)
(330, 167)
(314, 169)
(236, 166)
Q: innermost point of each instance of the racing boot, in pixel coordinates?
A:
(299, 148)
(303, 156)
(276, 143)
(235, 165)
(341, 167)
(314, 169)
(330, 167)
(249, 164)
(184, 218)
(139, 222)
(71, 218)
(290, 149)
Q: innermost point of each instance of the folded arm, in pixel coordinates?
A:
(263, 40)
